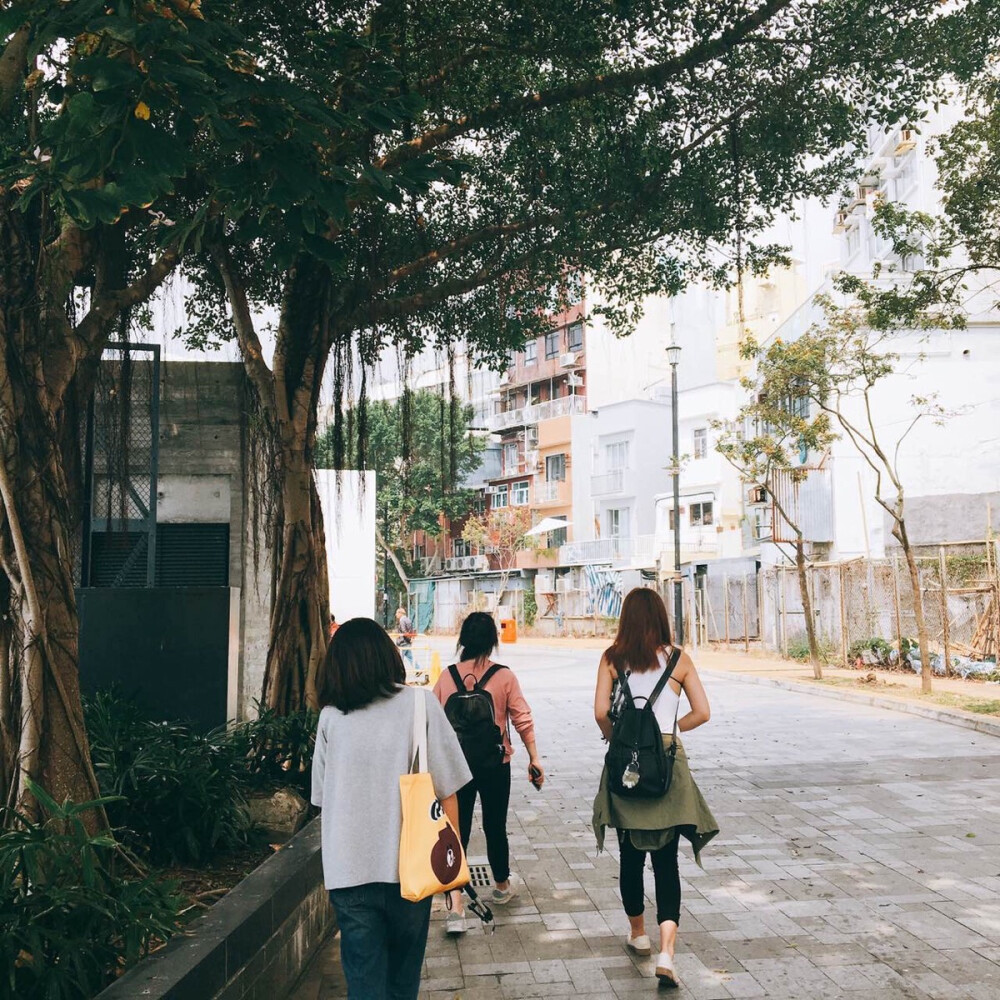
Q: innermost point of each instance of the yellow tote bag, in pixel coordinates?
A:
(431, 858)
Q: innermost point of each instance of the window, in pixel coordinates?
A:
(617, 520)
(574, 337)
(519, 494)
(616, 456)
(500, 496)
(531, 352)
(555, 468)
(462, 548)
(557, 538)
(552, 344)
(701, 514)
(701, 442)
(510, 457)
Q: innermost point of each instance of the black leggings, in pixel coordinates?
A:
(665, 875)
(493, 788)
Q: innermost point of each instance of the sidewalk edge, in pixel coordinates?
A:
(950, 716)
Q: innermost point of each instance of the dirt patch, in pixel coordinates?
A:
(203, 885)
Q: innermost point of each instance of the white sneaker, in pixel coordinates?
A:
(639, 945)
(454, 924)
(503, 896)
(665, 971)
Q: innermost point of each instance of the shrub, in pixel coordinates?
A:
(70, 922)
(880, 652)
(179, 794)
(277, 749)
(530, 608)
(798, 648)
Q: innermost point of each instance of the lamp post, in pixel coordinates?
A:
(673, 356)
(385, 563)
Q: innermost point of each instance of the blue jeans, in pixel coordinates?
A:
(382, 940)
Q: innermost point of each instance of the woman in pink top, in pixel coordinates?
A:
(476, 643)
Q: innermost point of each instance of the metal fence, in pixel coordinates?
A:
(863, 606)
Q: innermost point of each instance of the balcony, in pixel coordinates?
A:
(640, 550)
(524, 415)
(550, 493)
(608, 484)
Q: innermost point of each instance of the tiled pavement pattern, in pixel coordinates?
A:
(859, 857)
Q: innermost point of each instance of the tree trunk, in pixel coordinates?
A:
(301, 607)
(40, 691)
(923, 639)
(807, 608)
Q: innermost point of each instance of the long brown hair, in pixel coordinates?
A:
(643, 630)
(362, 665)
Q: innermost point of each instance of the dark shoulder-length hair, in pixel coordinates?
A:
(362, 665)
(643, 630)
(478, 637)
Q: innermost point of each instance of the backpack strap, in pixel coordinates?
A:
(456, 677)
(489, 673)
(675, 655)
(623, 684)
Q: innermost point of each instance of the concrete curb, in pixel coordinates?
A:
(952, 717)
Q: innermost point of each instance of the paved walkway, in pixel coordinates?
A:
(859, 857)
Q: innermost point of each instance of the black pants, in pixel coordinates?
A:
(665, 875)
(493, 789)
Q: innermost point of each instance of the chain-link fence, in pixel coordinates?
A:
(864, 609)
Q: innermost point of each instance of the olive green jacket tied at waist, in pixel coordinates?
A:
(653, 823)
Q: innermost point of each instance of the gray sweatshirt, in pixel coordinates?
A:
(355, 781)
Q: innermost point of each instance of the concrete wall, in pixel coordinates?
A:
(253, 944)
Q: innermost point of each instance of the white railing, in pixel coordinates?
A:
(640, 548)
(532, 414)
(609, 482)
(548, 492)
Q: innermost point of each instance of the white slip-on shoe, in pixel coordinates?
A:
(500, 897)
(639, 945)
(665, 971)
(454, 924)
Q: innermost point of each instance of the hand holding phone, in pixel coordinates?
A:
(536, 775)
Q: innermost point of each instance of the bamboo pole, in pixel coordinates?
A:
(895, 602)
(844, 631)
(725, 603)
(945, 624)
(783, 628)
(746, 620)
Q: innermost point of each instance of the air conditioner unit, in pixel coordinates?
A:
(532, 435)
(840, 221)
(906, 141)
(567, 360)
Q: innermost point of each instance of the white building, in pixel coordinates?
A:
(950, 470)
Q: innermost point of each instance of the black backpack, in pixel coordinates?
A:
(473, 718)
(638, 765)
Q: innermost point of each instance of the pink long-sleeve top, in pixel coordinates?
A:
(508, 700)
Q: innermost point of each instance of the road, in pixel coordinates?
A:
(859, 857)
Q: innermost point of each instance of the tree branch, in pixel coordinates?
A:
(392, 555)
(641, 76)
(246, 334)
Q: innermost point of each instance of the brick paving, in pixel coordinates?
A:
(859, 858)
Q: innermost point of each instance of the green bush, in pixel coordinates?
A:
(70, 921)
(277, 749)
(530, 608)
(880, 650)
(180, 795)
(798, 648)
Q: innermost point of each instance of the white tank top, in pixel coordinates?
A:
(668, 700)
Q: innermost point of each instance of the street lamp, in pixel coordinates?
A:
(674, 356)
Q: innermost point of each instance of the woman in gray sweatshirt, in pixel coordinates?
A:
(363, 745)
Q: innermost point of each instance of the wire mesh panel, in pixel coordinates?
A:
(120, 469)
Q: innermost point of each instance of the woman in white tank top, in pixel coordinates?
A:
(642, 651)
